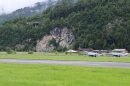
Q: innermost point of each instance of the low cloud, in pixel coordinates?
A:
(8, 6)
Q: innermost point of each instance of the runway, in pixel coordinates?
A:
(74, 63)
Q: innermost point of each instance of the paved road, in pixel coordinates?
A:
(75, 63)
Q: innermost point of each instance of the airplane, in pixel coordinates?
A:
(115, 54)
(124, 54)
(90, 53)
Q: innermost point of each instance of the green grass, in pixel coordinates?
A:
(62, 56)
(49, 75)
(57, 75)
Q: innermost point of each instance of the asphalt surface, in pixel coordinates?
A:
(74, 63)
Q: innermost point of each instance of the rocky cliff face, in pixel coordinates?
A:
(63, 36)
(111, 25)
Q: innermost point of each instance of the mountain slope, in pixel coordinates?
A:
(98, 24)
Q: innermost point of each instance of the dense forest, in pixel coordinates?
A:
(97, 24)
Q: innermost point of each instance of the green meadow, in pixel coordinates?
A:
(61, 75)
(62, 56)
(57, 75)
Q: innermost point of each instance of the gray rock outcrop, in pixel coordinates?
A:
(111, 25)
(63, 36)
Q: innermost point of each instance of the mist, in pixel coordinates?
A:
(8, 6)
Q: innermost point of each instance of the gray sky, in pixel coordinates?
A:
(7, 6)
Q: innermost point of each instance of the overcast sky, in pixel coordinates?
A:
(8, 6)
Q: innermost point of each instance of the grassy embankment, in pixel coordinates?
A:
(49, 75)
(63, 56)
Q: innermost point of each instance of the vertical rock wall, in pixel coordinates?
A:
(63, 36)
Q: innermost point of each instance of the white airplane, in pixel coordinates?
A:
(90, 53)
(115, 54)
(124, 54)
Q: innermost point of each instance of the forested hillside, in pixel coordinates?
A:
(98, 24)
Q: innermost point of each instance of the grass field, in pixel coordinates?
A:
(62, 56)
(57, 75)
(49, 75)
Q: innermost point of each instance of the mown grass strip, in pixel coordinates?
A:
(49, 75)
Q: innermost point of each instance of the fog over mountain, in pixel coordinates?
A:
(8, 6)
(31, 10)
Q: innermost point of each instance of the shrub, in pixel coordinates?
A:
(30, 52)
(9, 50)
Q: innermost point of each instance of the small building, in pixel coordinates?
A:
(102, 51)
(72, 51)
(35, 24)
(85, 49)
(120, 50)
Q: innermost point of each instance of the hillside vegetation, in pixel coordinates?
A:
(98, 24)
